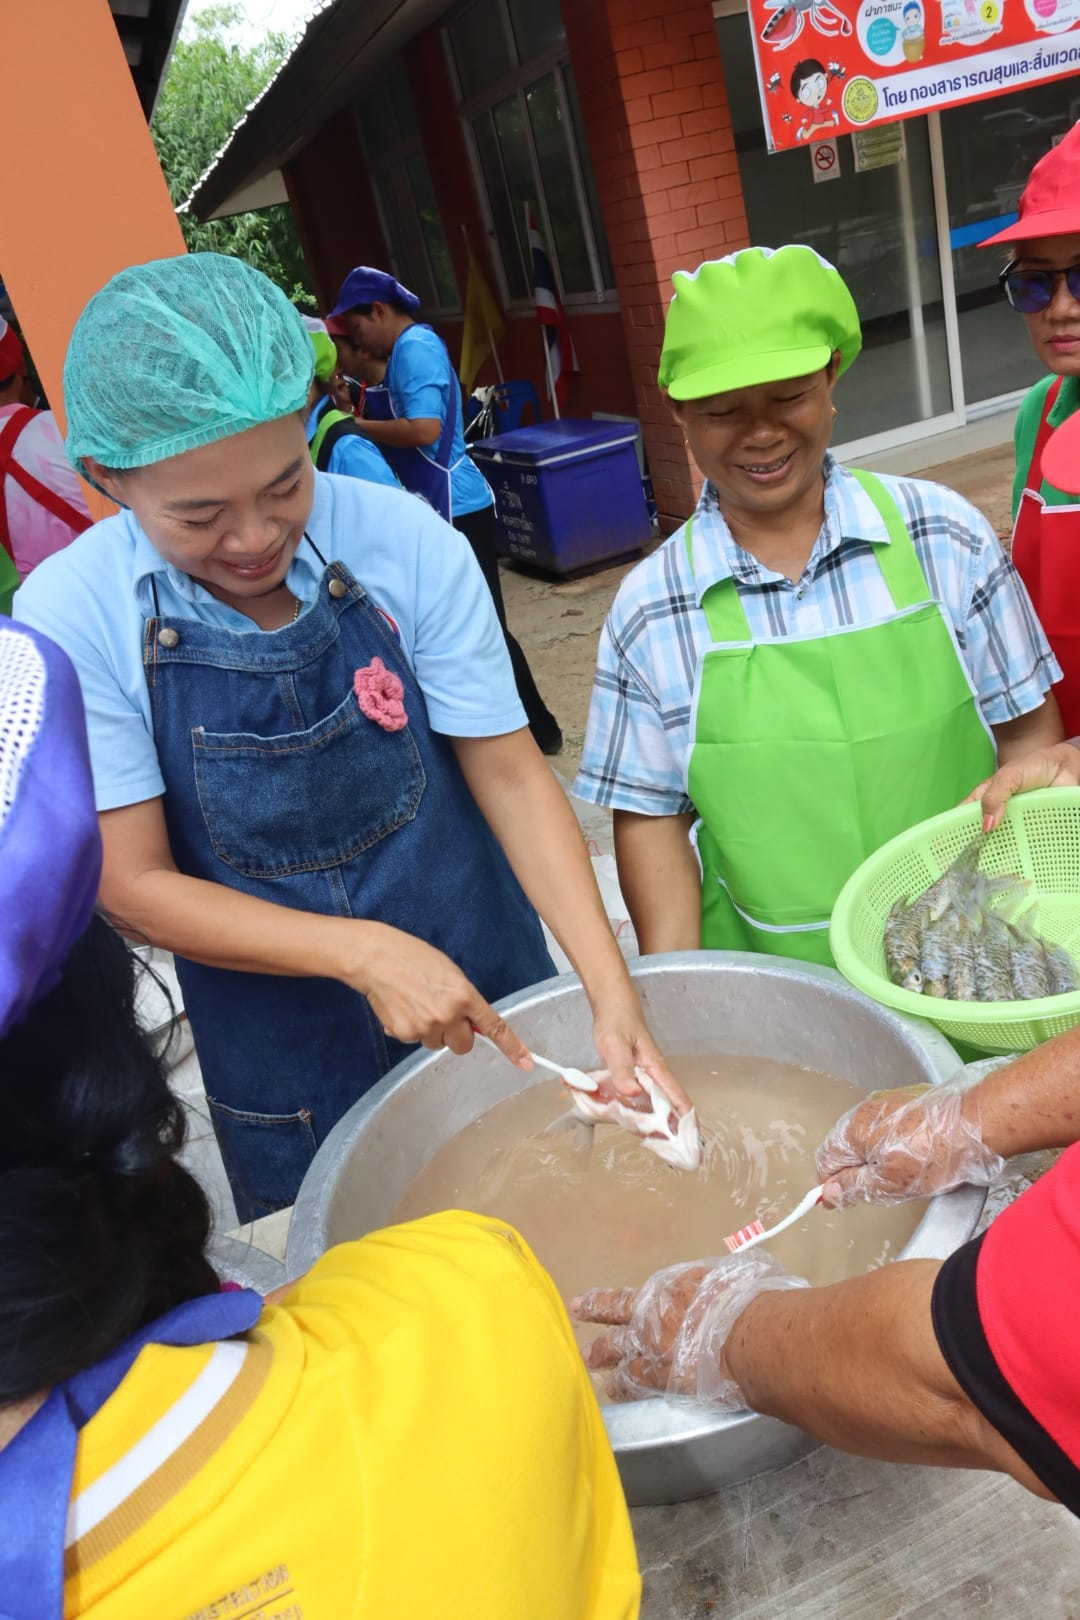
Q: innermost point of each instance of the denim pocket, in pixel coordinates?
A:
(306, 800)
(266, 1156)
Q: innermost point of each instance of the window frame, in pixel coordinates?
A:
(515, 84)
(391, 166)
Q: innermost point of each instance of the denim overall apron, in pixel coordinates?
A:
(1046, 554)
(278, 786)
(36, 1469)
(809, 753)
(424, 470)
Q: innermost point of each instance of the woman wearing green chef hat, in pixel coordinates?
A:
(817, 660)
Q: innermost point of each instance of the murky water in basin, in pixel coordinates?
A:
(613, 1213)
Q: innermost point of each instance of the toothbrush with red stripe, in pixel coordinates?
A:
(749, 1236)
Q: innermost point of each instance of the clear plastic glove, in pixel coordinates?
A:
(912, 1143)
(667, 1337)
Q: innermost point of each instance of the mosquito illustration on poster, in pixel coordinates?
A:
(789, 17)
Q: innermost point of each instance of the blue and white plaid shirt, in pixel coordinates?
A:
(638, 737)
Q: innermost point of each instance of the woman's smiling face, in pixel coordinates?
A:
(762, 448)
(232, 513)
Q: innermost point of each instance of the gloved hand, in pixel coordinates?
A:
(912, 1143)
(667, 1337)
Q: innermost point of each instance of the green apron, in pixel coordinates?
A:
(9, 579)
(810, 753)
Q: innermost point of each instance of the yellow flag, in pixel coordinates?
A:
(483, 327)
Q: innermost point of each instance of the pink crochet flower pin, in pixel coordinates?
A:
(381, 696)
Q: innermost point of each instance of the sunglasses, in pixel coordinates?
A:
(1029, 291)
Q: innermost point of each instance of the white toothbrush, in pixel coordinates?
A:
(749, 1236)
(577, 1078)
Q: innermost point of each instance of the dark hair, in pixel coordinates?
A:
(101, 1230)
(397, 304)
(803, 71)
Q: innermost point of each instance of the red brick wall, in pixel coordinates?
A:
(655, 109)
(333, 206)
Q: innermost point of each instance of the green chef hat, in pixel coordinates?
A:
(758, 316)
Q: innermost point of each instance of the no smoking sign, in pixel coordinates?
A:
(825, 160)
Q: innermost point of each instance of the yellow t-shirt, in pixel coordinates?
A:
(409, 1435)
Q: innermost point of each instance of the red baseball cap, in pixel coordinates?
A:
(12, 355)
(1061, 456)
(1050, 203)
(336, 326)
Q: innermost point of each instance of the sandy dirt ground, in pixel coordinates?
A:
(559, 624)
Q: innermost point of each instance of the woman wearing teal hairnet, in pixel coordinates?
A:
(313, 774)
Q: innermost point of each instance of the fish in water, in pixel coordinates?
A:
(671, 1136)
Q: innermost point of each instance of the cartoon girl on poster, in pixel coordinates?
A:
(810, 88)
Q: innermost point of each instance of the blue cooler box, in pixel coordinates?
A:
(568, 494)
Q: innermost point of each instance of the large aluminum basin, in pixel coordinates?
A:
(697, 1002)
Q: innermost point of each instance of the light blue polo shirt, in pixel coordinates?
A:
(419, 376)
(94, 597)
(353, 456)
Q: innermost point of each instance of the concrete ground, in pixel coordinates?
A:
(831, 1537)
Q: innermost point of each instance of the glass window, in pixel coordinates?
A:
(438, 255)
(538, 27)
(478, 41)
(592, 196)
(415, 238)
(878, 228)
(553, 157)
(513, 145)
(529, 142)
(990, 148)
(377, 124)
(510, 240)
(400, 97)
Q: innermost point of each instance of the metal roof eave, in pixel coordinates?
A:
(148, 31)
(342, 47)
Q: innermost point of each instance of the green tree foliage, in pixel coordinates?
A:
(209, 84)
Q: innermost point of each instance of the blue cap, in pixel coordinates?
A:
(367, 286)
(50, 847)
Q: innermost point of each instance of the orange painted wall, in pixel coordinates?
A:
(81, 191)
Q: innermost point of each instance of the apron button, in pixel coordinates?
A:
(168, 638)
(337, 588)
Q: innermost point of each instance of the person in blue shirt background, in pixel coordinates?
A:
(313, 776)
(337, 445)
(422, 439)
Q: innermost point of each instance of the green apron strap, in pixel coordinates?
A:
(900, 568)
(898, 562)
(724, 612)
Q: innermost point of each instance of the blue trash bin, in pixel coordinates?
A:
(568, 494)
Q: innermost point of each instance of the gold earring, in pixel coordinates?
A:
(834, 412)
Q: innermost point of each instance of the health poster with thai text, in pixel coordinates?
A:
(829, 67)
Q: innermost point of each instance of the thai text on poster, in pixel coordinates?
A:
(830, 67)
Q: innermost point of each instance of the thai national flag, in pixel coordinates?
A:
(561, 355)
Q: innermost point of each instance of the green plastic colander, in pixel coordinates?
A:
(1040, 839)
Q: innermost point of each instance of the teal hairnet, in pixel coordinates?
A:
(177, 353)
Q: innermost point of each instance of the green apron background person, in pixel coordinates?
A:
(871, 753)
(806, 751)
